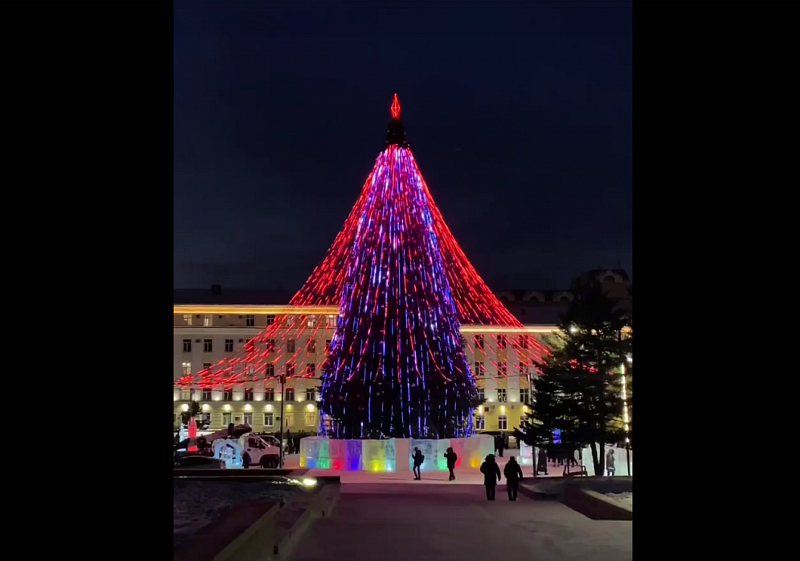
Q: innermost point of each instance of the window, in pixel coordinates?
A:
(524, 395)
(289, 370)
(207, 346)
(523, 341)
(331, 321)
(228, 345)
(270, 345)
(206, 366)
(524, 368)
(206, 395)
(288, 420)
(187, 345)
(501, 395)
(187, 319)
(269, 420)
(289, 394)
(480, 422)
(327, 346)
(311, 346)
(187, 368)
(269, 394)
(311, 321)
(186, 395)
(501, 342)
(311, 394)
(290, 346)
(207, 321)
(479, 342)
(227, 395)
(226, 418)
(269, 370)
(248, 419)
(311, 370)
(502, 368)
(481, 394)
(479, 371)
(250, 320)
(270, 320)
(248, 394)
(311, 418)
(502, 422)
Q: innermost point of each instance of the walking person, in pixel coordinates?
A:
(490, 470)
(513, 474)
(541, 466)
(500, 445)
(610, 468)
(288, 441)
(418, 459)
(451, 462)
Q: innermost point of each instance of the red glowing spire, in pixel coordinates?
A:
(395, 108)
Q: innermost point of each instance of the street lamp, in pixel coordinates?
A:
(282, 378)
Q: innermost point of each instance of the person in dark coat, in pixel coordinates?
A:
(513, 474)
(541, 466)
(246, 460)
(500, 445)
(451, 462)
(418, 459)
(490, 470)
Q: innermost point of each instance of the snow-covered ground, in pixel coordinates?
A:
(624, 498)
(197, 503)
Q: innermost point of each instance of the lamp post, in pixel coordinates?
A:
(283, 387)
(625, 414)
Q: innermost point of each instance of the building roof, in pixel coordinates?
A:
(217, 295)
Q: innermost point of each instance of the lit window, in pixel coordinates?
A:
(226, 418)
(480, 422)
(187, 368)
(269, 394)
(523, 341)
(207, 346)
(331, 321)
(481, 394)
(501, 342)
(501, 395)
(248, 394)
(502, 422)
(311, 418)
(187, 345)
(524, 395)
(250, 320)
(479, 342)
(310, 394)
(502, 368)
(479, 370)
(187, 319)
(311, 346)
(269, 370)
(248, 419)
(290, 345)
(228, 345)
(288, 420)
(186, 395)
(227, 395)
(270, 320)
(311, 321)
(311, 370)
(207, 321)
(289, 394)
(268, 420)
(524, 368)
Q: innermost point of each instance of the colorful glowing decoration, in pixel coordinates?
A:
(391, 454)
(281, 347)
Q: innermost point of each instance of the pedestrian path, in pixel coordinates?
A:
(402, 521)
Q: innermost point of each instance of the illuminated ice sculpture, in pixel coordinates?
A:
(382, 455)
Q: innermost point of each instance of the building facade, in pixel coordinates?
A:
(212, 325)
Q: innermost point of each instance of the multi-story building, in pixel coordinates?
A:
(210, 325)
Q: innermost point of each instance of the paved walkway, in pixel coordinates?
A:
(407, 521)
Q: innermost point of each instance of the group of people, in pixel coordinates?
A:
(490, 470)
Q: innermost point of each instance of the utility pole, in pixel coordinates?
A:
(283, 398)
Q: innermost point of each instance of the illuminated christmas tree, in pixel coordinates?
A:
(397, 367)
(403, 286)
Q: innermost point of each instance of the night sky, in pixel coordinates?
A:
(520, 119)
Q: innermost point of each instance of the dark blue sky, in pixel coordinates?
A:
(519, 115)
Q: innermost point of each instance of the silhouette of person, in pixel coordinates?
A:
(451, 462)
(490, 470)
(418, 459)
(513, 474)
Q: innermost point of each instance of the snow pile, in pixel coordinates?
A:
(197, 503)
(624, 498)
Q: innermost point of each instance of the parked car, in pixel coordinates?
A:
(196, 461)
